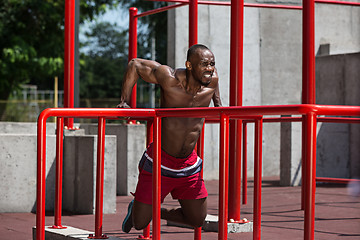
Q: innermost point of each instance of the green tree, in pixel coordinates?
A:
(32, 40)
(105, 51)
(103, 65)
(155, 24)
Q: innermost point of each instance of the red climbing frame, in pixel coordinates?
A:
(222, 114)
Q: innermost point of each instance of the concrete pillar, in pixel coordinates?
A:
(131, 144)
(79, 181)
(290, 154)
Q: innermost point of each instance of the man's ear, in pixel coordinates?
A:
(188, 65)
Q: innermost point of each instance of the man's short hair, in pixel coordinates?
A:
(193, 49)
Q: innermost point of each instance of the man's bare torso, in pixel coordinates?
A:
(179, 135)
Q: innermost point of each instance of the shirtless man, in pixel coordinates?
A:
(194, 86)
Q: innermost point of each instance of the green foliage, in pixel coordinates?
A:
(104, 64)
(155, 24)
(32, 40)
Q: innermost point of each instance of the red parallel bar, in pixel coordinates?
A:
(59, 172)
(162, 9)
(244, 172)
(223, 176)
(193, 22)
(236, 82)
(100, 180)
(133, 47)
(41, 175)
(69, 58)
(257, 179)
(250, 111)
(157, 179)
(200, 153)
(310, 158)
(336, 180)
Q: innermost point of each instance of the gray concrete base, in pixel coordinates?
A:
(68, 233)
(211, 224)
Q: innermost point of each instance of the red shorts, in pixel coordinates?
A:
(191, 187)
(183, 183)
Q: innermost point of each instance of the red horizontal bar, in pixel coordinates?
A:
(97, 112)
(338, 120)
(158, 10)
(336, 180)
(244, 112)
(259, 5)
(220, 3)
(338, 2)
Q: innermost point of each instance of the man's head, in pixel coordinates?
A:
(201, 63)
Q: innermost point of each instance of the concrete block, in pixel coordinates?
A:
(25, 128)
(69, 233)
(79, 184)
(131, 144)
(290, 157)
(18, 164)
(211, 224)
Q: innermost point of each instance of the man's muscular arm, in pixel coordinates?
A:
(135, 69)
(216, 97)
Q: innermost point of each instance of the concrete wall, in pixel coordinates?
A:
(18, 172)
(18, 163)
(272, 59)
(338, 83)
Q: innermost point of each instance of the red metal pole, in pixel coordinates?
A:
(100, 180)
(149, 139)
(133, 47)
(41, 178)
(257, 180)
(308, 60)
(223, 176)
(303, 163)
(310, 158)
(157, 178)
(69, 58)
(236, 69)
(193, 22)
(59, 173)
(308, 73)
(244, 172)
(200, 153)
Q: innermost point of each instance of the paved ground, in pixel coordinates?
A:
(337, 216)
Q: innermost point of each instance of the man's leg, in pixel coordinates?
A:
(192, 212)
(142, 214)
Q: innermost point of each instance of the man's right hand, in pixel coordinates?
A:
(123, 105)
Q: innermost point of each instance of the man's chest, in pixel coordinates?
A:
(179, 98)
